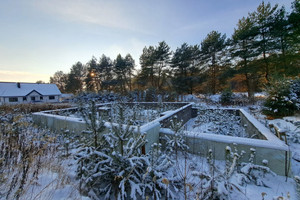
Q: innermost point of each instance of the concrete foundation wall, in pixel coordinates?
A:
(55, 122)
(268, 147)
(58, 123)
(152, 134)
(250, 127)
(200, 146)
(184, 114)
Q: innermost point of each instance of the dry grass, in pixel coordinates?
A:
(30, 108)
(31, 163)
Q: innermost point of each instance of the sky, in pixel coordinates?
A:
(40, 37)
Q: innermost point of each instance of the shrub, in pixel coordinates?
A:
(283, 99)
(226, 96)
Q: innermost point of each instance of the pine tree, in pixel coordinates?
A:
(75, 78)
(262, 19)
(92, 80)
(183, 61)
(105, 72)
(147, 60)
(162, 59)
(211, 57)
(244, 50)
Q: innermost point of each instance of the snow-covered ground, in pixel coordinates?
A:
(219, 122)
(57, 175)
(270, 184)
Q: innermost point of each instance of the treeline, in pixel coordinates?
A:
(265, 46)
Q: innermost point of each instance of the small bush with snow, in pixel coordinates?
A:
(226, 97)
(284, 98)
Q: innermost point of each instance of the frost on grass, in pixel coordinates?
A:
(26, 153)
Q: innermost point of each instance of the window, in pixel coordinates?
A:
(51, 97)
(41, 98)
(24, 99)
(32, 98)
(13, 99)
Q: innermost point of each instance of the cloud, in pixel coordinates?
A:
(19, 76)
(111, 14)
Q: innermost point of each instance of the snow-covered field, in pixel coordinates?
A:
(39, 164)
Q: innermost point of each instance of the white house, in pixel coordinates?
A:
(14, 93)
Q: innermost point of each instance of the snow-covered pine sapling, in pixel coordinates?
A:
(117, 169)
(94, 121)
(167, 183)
(265, 162)
(157, 171)
(119, 135)
(176, 142)
(85, 161)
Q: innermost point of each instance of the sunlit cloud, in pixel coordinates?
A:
(19, 76)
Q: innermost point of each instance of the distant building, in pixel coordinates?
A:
(15, 93)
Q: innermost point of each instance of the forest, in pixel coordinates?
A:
(263, 48)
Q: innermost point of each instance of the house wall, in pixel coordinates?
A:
(46, 99)
(6, 100)
(31, 95)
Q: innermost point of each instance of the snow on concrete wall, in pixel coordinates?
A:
(57, 123)
(269, 147)
(265, 151)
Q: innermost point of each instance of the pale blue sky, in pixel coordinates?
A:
(40, 37)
